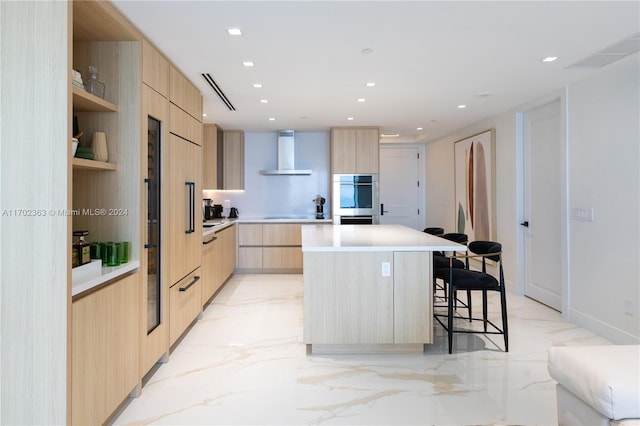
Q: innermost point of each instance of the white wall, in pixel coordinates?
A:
(281, 195)
(604, 174)
(602, 122)
(440, 198)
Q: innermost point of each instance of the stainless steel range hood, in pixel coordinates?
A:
(286, 156)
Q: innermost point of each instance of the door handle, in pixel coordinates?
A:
(150, 211)
(191, 208)
(382, 210)
(195, 280)
(525, 224)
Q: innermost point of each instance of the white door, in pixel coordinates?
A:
(400, 191)
(543, 211)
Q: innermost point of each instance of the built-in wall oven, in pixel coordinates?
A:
(355, 199)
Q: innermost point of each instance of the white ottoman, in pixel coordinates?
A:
(597, 385)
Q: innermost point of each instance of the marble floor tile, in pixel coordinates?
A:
(245, 363)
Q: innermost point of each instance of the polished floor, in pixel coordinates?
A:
(245, 363)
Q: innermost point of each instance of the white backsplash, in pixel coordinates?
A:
(280, 195)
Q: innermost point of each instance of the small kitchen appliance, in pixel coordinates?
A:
(207, 204)
(216, 211)
(319, 206)
(233, 213)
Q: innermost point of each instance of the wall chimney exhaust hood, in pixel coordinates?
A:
(286, 156)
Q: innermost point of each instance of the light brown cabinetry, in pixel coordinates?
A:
(104, 334)
(218, 260)
(348, 301)
(185, 304)
(181, 205)
(154, 325)
(182, 182)
(233, 159)
(270, 247)
(184, 125)
(184, 94)
(105, 350)
(210, 156)
(223, 153)
(355, 150)
(155, 69)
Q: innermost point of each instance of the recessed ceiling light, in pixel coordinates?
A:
(371, 84)
(234, 31)
(461, 106)
(272, 119)
(264, 101)
(361, 99)
(390, 135)
(418, 128)
(550, 59)
(484, 94)
(350, 118)
(247, 63)
(204, 115)
(257, 85)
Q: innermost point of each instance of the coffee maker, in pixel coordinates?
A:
(319, 206)
(207, 204)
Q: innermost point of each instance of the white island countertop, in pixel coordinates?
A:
(333, 238)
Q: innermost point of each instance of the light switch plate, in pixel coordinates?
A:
(582, 214)
(227, 204)
(386, 269)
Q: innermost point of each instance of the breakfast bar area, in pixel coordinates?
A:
(368, 288)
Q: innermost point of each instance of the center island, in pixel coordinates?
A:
(369, 288)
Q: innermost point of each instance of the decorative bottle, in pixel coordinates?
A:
(95, 86)
(81, 248)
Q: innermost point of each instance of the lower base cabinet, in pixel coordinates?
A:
(218, 260)
(185, 304)
(270, 247)
(105, 350)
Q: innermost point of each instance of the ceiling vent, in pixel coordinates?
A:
(212, 83)
(610, 54)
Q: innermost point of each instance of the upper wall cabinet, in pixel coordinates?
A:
(223, 152)
(233, 159)
(210, 156)
(355, 150)
(184, 94)
(155, 69)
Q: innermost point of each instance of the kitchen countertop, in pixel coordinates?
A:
(220, 224)
(333, 238)
(103, 274)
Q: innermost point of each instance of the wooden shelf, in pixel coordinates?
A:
(83, 164)
(85, 101)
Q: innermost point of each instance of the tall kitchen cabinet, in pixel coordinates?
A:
(105, 200)
(182, 190)
(355, 150)
(154, 296)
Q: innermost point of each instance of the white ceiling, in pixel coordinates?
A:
(427, 57)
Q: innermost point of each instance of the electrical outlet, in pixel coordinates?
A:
(386, 269)
(227, 204)
(628, 307)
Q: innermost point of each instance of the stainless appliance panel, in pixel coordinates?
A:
(355, 195)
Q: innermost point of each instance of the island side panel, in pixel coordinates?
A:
(413, 297)
(346, 298)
